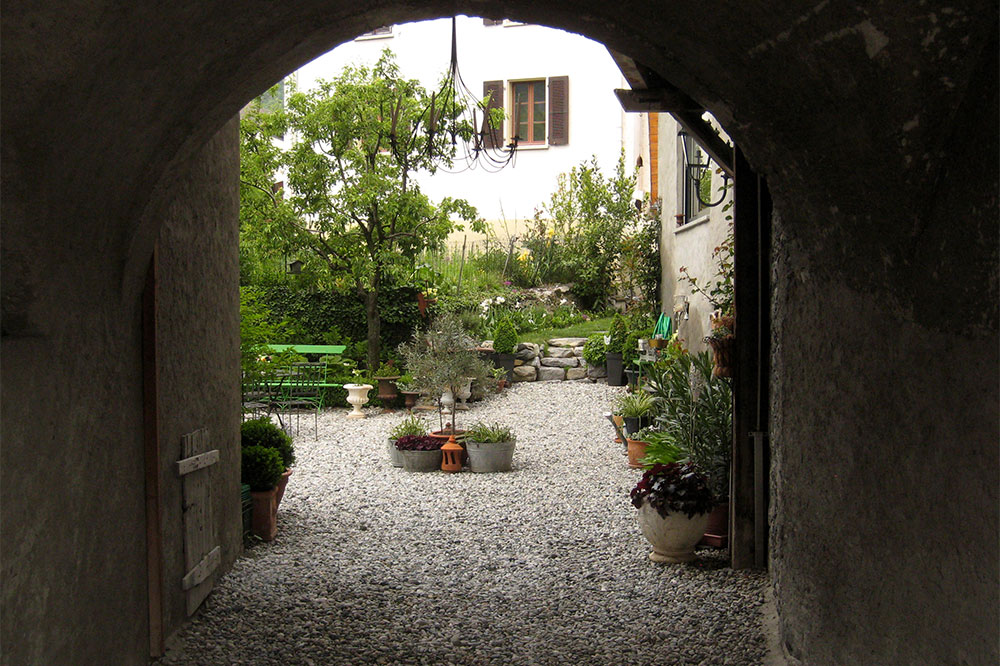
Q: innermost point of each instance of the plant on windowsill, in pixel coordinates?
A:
(674, 502)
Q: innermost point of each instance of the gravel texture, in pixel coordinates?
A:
(541, 565)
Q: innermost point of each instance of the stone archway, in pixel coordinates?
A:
(864, 120)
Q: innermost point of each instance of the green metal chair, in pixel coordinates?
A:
(305, 391)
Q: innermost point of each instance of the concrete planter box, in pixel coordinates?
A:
(486, 457)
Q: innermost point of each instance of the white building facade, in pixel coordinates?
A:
(567, 78)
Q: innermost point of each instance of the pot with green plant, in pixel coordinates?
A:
(594, 351)
(260, 469)
(636, 410)
(420, 453)
(263, 432)
(490, 447)
(696, 408)
(386, 376)
(442, 359)
(505, 344)
(613, 353)
(722, 340)
(674, 502)
(405, 386)
(409, 426)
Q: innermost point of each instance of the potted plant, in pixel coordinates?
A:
(409, 426)
(260, 469)
(442, 359)
(490, 447)
(504, 344)
(500, 375)
(722, 340)
(386, 375)
(636, 409)
(405, 386)
(674, 501)
(420, 453)
(720, 294)
(594, 353)
(263, 432)
(613, 353)
(696, 408)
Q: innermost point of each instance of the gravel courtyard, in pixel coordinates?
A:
(542, 565)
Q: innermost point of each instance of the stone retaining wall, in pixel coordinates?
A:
(560, 359)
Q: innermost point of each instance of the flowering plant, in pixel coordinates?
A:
(418, 443)
(679, 487)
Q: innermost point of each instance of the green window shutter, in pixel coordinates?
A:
(558, 110)
(493, 136)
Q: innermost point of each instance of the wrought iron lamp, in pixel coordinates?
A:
(695, 170)
(473, 124)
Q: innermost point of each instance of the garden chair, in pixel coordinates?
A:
(305, 390)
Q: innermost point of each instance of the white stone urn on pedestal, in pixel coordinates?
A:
(447, 402)
(357, 395)
(464, 394)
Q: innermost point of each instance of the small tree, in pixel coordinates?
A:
(352, 204)
(443, 358)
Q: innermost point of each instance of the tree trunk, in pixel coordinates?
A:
(374, 328)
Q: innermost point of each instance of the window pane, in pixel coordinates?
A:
(540, 91)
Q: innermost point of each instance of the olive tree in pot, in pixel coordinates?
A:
(260, 469)
(613, 354)
(674, 501)
(442, 359)
(490, 447)
(505, 344)
(264, 432)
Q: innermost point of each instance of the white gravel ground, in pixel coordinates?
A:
(541, 565)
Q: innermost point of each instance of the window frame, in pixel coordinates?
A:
(512, 87)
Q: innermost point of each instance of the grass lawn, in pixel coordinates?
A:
(581, 330)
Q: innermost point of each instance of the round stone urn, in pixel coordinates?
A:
(673, 538)
(357, 395)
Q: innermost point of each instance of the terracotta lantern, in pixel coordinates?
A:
(451, 455)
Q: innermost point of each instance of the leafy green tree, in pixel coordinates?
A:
(579, 234)
(351, 204)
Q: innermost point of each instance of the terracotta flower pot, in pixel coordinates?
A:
(265, 513)
(636, 452)
(673, 538)
(717, 530)
(723, 355)
(282, 482)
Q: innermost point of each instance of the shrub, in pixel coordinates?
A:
(261, 467)
(504, 337)
(635, 405)
(419, 443)
(262, 432)
(411, 426)
(594, 349)
(616, 344)
(489, 433)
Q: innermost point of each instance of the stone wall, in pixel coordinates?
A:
(559, 359)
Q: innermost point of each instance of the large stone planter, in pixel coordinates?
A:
(673, 538)
(395, 455)
(421, 461)
(485, 457)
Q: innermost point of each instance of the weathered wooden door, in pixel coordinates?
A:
(201, 545)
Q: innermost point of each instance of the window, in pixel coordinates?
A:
(490, 22)
(528, 111)
(537, 110)
(697, 181)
